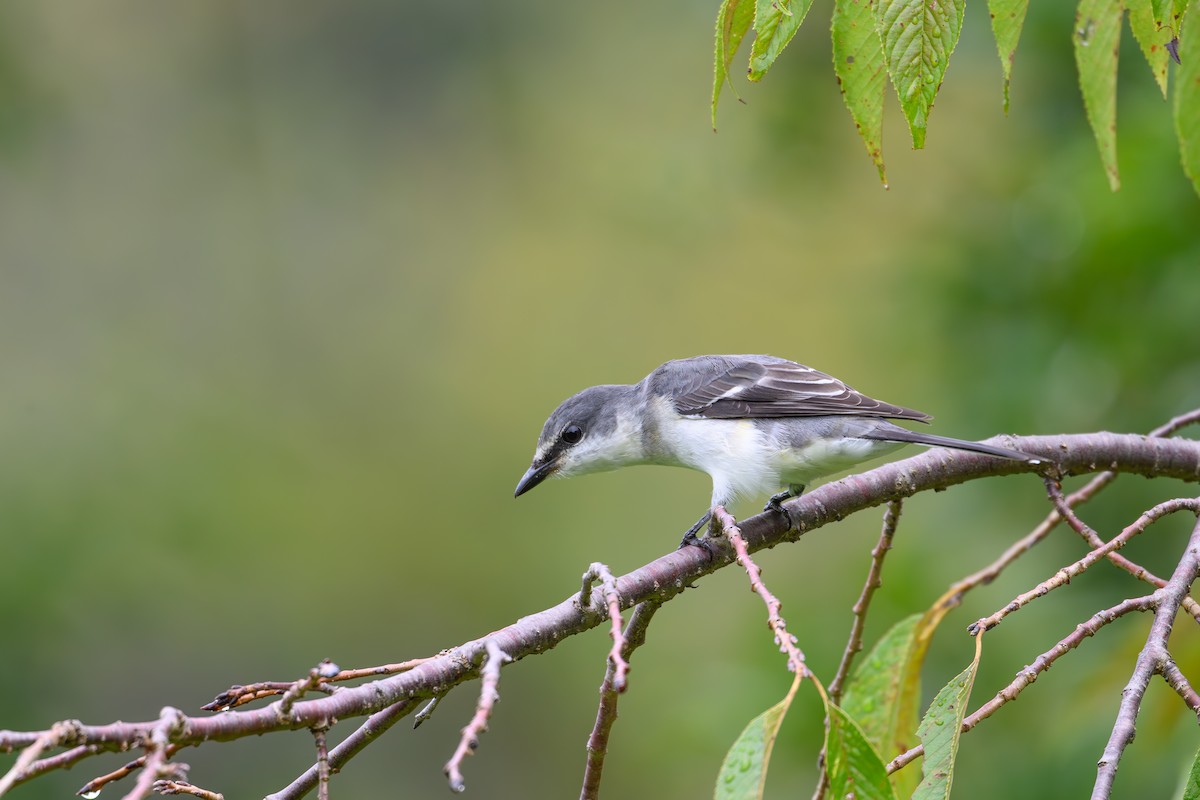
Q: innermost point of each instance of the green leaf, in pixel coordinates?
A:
(1008, 17)
(1187, 97)
(852, 764)
(1097, 39)
(1152, 39)
(884, 693)
(918, 37)
(744, 772)
(1191, 790)
(861, 73)
(1168, 14)
(733, 20)
(940, 731)
(775, 23)
(874, 694)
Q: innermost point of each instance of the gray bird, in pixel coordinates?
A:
(753, 423)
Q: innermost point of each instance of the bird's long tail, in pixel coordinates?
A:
(898, 434)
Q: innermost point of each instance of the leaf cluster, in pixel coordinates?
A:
(909, 43)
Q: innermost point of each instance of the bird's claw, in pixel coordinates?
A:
(691, 539)
(776, 504)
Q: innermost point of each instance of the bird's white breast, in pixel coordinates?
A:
(748, 458)
(733, 452)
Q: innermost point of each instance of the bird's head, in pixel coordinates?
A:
(593, 431)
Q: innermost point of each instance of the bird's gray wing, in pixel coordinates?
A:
(741, 387)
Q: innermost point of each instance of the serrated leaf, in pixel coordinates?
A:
(733, 20)
(1151, 39)
(1008, 18)
(775, 23)
(940, 730)
(884, 693)
(918, 37)
(852, 764)
(873, 696)
(1097, 39)
(743, 773)
(1169, 14)
(861, 72)
(1191, 789)
(1187, 97)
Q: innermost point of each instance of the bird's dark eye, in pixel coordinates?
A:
(572, 434)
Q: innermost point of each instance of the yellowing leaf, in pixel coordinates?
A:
(1008, 17)
(861, 72)
(733, 20)
(1152, 39)
(1097, 39)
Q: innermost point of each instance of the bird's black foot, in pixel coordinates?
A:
(776, 502)
(691, 539)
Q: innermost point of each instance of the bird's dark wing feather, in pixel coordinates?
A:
(742, 387)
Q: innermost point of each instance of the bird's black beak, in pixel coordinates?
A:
(535, 475)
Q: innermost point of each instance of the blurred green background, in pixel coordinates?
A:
(287, 290)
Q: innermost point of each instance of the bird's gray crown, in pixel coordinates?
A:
(594, 410)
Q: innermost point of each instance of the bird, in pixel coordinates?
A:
(753, 423)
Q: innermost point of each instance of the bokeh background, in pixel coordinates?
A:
(287, 290)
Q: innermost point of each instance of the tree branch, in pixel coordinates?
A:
(1150, 661)
(659, 580)
(606, 714)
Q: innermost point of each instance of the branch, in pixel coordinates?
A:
(660, 580)
(1149, 662)
(597, 744)
(612, 600)
(891, 518)
(1064, 575)
(488, 695)
(1095, 541)
(783, 639)
(1030, 673)
(375, 725)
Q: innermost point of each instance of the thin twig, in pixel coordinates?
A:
(426, 711)
(1179, 682)
(1150, 661)
(1064, 575)
(606, 714)
(954, 595)
(612, 599)
(322, 763)
(54, 737)
(316, 676)
(891, 518)
(183, 787)
(488, 695)
(1054, 489)
(235, 696)
(1040, 664)
(372, 728)
(786, 642)
(158, 744)
(64, 760)
(96, 784)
